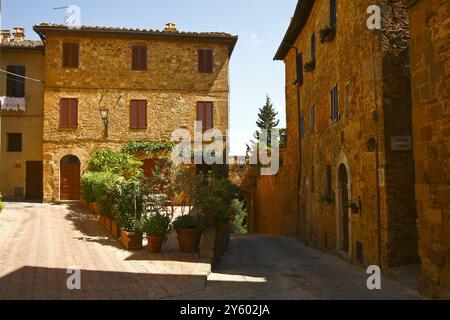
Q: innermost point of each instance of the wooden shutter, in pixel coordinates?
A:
(333, 14)
(139, 58)
(71, 55)
(73, 113)
(64, 113)
(200, 113)
(299, 68)
(20, 82)
(209, 116)
(142, 114)
(313, 47)
(10, 81)
(205, 61)
(134, 106)
(14, 142)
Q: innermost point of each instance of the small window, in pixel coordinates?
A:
(313, 118)
(329, 186)
(68, 114)
(333, 15)
(334, 109)
(313, 48)
(205, 61)
(71, 55)
(299, 61)
(138, 114)
(14, 142)
(139, 58)
(15, 81)
(205, 115)
(302, 127)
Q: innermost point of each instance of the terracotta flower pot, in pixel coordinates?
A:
(131, 240)
(114, 229)
(101, 221)
(94, 208)
(188, 240)
(155, 244)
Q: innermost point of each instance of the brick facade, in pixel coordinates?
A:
(430, 69)
(374, 109)
(171, 85)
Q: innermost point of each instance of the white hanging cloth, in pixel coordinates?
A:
(12, 104)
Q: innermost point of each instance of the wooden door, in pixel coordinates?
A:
(34, 177)
(70, 179)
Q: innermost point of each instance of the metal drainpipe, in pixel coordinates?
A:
(299, 180)
(377, 157)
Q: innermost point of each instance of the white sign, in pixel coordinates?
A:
(401, 143)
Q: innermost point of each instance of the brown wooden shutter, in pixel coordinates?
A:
(135, 58)
(143, 58)
(209, 61)
(66, 55)
(76, 55)
(134, 114)
(10, 81)
(142, 114)
(209, 115)
(200, 61)
(20, 82)
(200, 113)
(73, 122)
(64, 113)
(71, 55)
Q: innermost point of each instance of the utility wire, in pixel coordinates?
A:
(20, 76)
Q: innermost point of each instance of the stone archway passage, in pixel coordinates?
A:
(70, 178)
(345, 221)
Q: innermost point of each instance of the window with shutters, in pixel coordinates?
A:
(138, 114)
(15, 83)
(14, 142)
(333, 15)
(71, 55)
(205, 115)
(299, 62)
(313, 49)
(68, 115)
(334, 109)
(139, 58)
(205, 61)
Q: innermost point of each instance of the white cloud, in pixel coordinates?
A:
(255, 40)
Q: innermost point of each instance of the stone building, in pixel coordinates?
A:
(430, 75)
(349, 152)
(21, 110)
(106, 86)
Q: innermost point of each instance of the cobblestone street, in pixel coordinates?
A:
(38, 243)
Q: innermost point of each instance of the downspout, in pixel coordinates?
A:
(299, 180)
(377, 156)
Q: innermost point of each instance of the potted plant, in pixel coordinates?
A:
(354, 206)
(157, 227)
(327, 34)
(131, 233)
(189, 229)
(115, 231)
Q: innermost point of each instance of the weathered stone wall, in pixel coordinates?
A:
(430, 68)
(172, 86)
(359, 75)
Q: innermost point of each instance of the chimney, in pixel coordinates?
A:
(6, 36)
(170, 27)
(19, 34)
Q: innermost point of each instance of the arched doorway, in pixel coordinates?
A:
(70, 178)
(344, 218)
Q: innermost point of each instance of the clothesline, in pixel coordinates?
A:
(20, 76)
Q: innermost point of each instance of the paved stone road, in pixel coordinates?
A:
(264, 267)
(39, 242)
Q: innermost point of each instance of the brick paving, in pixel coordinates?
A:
(38, 243)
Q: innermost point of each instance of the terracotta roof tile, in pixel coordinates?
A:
(22, 44)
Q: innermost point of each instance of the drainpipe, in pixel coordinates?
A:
(377, 156)
(299, 180)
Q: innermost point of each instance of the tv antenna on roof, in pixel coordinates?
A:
(73, 16)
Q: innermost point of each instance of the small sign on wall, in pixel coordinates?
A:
(401, 143)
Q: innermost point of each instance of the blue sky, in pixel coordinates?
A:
(260, 24)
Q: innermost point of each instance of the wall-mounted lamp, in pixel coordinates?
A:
(104, 112)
